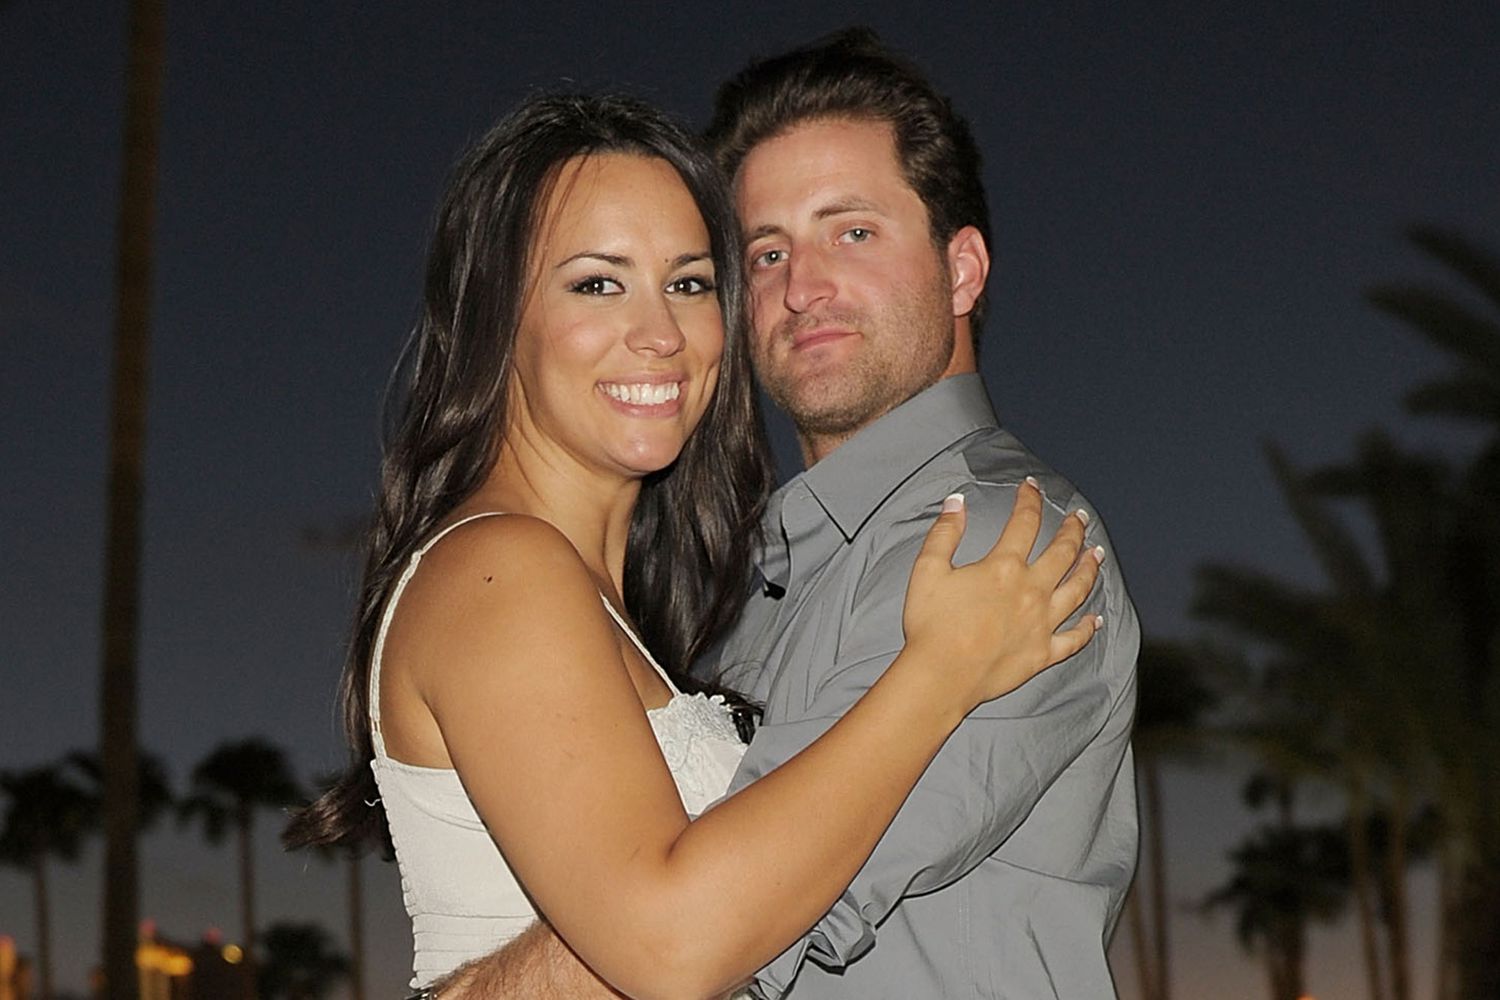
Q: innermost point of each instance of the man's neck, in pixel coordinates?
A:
(816, 447)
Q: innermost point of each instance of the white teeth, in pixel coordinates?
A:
(643, 393)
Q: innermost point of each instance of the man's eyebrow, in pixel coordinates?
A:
(767, 229)
(842, 206)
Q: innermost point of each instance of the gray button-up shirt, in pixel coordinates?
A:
(1004, 872)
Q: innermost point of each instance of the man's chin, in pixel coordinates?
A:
(824, 417)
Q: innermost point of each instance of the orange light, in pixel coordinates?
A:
(233, 954)
(160, 958)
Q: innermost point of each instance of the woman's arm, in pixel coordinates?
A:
(507, 644)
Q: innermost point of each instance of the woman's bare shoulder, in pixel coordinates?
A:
(498, 553)
(490, 587)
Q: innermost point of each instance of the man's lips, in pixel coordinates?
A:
(808, 339)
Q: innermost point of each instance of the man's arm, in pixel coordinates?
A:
(535, 965)
(992, 772)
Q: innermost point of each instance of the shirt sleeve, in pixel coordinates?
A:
(990, 773)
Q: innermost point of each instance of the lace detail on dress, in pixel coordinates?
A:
(702, 749)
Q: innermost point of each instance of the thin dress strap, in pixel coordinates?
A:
(639, 645)
(390, 611)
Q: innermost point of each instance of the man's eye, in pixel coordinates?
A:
(856, 235)
(768, 258)
(690, 285)
(597, 284)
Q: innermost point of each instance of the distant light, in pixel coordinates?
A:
(170, 961)
(233, 954)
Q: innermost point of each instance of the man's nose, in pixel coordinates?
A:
(809, 280)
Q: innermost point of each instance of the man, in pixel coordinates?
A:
(866, 235)
(867, 246)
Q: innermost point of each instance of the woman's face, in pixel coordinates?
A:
(618, 349)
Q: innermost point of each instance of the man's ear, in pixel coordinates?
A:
(968, 267)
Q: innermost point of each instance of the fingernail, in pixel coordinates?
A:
(1082, 515)
(953, 503)
(1098, 622)
(1033, 482)
(1099, 554)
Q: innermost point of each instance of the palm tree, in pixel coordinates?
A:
(117, 727)
(300, 963)
(1473, 391)
(46, 815)
(1172, 699)
(1370, 661)
(1283, 877)
(351, 858)
(154, 789)
(1466, 324)
(225, 790)
(1418, 643)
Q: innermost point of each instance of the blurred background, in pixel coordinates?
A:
(1246, 295)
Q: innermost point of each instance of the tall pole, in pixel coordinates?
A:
(356, 928)
(118, 751)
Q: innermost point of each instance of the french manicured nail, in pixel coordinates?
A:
(1033, 482)
(1099, 554)
(953, 503)
(1098, 622)
(1082, 515)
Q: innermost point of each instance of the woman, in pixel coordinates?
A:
(580, 438)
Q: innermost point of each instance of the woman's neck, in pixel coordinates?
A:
(591, 509)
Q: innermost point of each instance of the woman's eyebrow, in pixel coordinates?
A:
(617, 260)
(623, 261)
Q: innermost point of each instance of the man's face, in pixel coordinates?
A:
(851, 304)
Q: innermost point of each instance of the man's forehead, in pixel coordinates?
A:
(818, 138)
(820, 168)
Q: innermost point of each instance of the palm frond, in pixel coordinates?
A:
(1464, 396)
(1461, 254)
(1332, 544)
(1451, 325)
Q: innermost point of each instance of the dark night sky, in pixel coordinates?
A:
(1187, 203)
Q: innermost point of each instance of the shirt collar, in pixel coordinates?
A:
(860, 474)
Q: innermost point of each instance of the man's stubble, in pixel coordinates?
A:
(907, 347)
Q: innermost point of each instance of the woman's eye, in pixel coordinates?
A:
(768, 258)
(856, 235)
(597, 284)
(691, 284)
